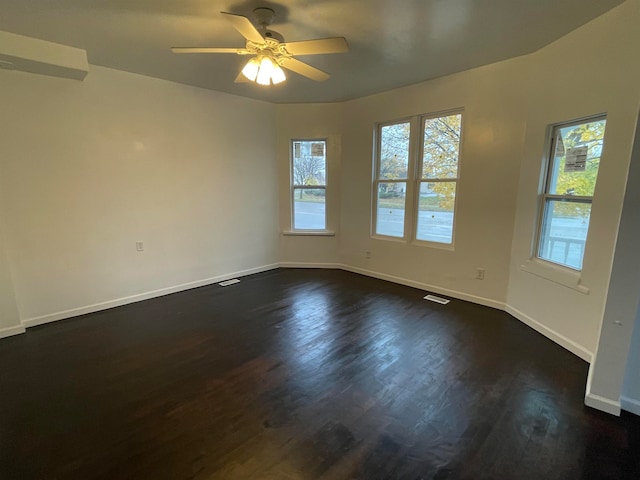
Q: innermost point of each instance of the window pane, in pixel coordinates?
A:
(394, 151)
(309, 209)
(441, 147)
(576, 158)
(564, 232)
(390, 218)
(309, 162)
(435, 212)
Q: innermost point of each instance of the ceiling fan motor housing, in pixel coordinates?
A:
(274, 35)
(264, 16)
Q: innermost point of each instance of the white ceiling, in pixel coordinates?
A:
(392, 42)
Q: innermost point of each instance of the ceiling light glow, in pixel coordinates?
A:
(250, 70)
(264, 70)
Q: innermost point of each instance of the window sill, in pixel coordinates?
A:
(438, 245)
(388, 238)
(419, 243)
(309, 233)
(555, 273)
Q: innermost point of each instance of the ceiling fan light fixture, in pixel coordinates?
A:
(278, 75)
(250, 70)
(266, 71)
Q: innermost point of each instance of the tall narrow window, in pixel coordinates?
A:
(438, 178)
(392, 169)
(309, 187)
(571, 177)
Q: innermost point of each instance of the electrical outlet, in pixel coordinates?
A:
(140, 246)
(367, 254)
(479, 273)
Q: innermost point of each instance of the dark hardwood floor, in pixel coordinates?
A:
(302, 374)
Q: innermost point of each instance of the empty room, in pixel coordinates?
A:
(358, 239)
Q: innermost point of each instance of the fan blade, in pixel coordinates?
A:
(315, 47)
(305, 70)
(241, 78)
(243, 25)
(239, 51)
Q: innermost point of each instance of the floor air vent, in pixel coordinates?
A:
(433, 298)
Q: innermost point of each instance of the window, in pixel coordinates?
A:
(572, 171)
(438, 178)
(416, 199)
(392, 176)
(308, 184)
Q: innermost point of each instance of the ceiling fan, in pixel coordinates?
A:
(270, 52)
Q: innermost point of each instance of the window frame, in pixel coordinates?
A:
(546, 199)
(419, 180)
(414, 178)
(408, 194)
(293, 187)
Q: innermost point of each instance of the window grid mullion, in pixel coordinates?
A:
(412, 197)
(567, 198)
(440, 179)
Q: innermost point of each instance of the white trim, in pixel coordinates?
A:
(10, 331)
(598, 402)
(96, 307)
(555, 273)
(487, 302)
(335, 266)
(309, 233)
(603, 404)
(551, 334)
(630, 405)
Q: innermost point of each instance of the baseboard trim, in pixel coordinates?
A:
(603, 404)
(10, 331)
(487, 302)
(335, 266)
(599, 402)
(561, 340)
(630, 405)
(551, 334)
(96, 307)
(591, 400)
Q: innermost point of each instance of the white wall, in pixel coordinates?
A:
(9, 318)
(493, 129)
(590, 71)
(90, 168)
(631, 388)
(606, 375)
(309, 121)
